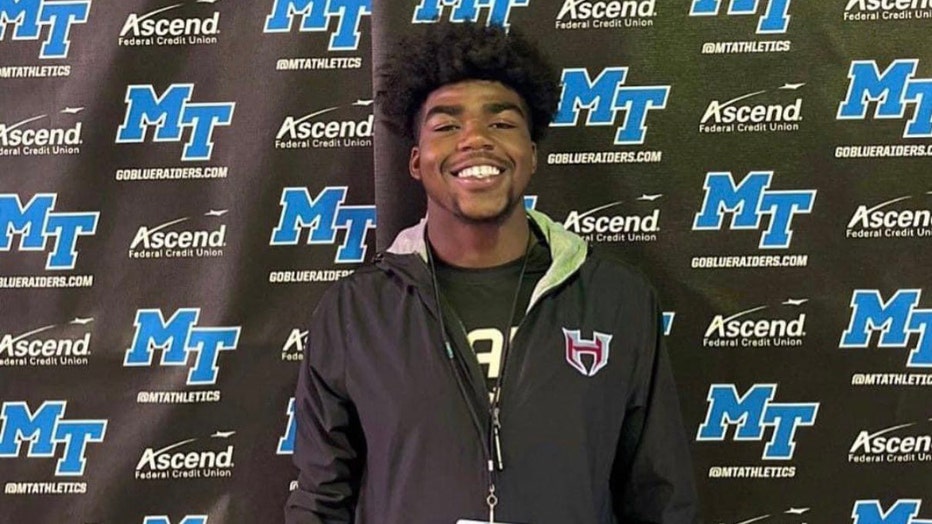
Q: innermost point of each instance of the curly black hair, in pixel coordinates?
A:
(446, 53)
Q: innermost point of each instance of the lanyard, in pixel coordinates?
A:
(493, 440)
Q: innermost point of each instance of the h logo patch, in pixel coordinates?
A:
(576, 347)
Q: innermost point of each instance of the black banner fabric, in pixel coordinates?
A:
(180, 181)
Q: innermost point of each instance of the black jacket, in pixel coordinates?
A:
(386, 435)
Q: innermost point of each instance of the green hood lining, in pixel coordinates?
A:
(567, 250)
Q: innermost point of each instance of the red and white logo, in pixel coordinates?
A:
(576, 347)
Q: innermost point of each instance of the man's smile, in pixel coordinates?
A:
(480, 171)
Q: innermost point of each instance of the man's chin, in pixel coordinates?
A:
(487, 216)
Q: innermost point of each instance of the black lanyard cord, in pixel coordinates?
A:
(493, 446)
(455, 363)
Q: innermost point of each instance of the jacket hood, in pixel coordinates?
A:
(567, 250)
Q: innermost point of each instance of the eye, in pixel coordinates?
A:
(503, 124)
(445, 127)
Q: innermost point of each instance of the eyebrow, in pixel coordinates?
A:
(492, 107)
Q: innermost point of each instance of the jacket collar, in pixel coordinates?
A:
(567, 250)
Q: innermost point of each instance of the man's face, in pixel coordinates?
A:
(474, 153)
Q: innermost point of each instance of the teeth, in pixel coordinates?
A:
(483, 171)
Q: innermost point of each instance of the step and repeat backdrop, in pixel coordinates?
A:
(180, 180)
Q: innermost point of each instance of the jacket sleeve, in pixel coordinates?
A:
(652, 477)
(329, 447)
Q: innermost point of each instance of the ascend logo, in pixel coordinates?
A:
(164, 519)
(873, 10)
(601, 14)
(497, 12)
(774, 20)
(286, 442)
(32, 18)
(293, 349)
(898, 319)
(903, 443)
(170, 113)
(737, 115)
(903, 511)
(600, 224)
(789, 516)
(178, 338)
(210, 458)
(324, 215)
(36, 223)
(48, 434)
(786, 328)
(892, 91)
(28, 138)
(166, 27)
(341, 17)
(52, 345)
(604, 98)
(748, 202)
(890, 220)
(752, 413)
(171, 240)
(321, 129)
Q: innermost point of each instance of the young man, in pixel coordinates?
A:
(488, 367)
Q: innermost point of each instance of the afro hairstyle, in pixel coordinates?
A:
(447, 53)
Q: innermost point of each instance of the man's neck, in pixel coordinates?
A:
(479, 245)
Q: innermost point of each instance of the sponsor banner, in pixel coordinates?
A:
(286, 442)
(197, 458)
(491, 12)
(667, 318)
(45, 25)
(903, 511)
(45, 281)
(293, 348)
(175, 24)
(618, 222)
(43, 432)
(901, 324)
(792, 515)
(339, 20)
(49, 134)
(587, 15)
(762, 326)
(54, 345)
(898, 92)
(609, 102)
(903, 217)
(772, 16)
(896, 10)
(182, 342)
(336, 127)
(775, 110)
(328, 221)
(42, 229)
(173, 116)
(909, 443)
(182, 237)
(752, 414)
(753, 205)
(303, 276)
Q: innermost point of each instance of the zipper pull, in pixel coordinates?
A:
(496, 435)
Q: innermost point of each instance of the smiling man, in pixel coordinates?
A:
(489, 367)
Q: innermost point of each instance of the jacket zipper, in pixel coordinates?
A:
(495, 413)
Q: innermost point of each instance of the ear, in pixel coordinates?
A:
(414, 163)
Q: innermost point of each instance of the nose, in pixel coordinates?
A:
(475, 135)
